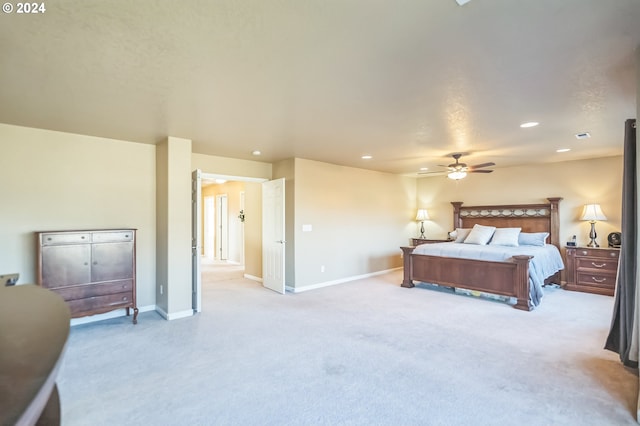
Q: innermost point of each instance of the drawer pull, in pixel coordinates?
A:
(599, 265)
(613, 254)
(599, 280)
(584, 252)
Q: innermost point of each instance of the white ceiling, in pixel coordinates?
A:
(406, 81)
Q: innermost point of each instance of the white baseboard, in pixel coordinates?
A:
(174, 315)
(251, 277)
(108, 315)
(338, 281)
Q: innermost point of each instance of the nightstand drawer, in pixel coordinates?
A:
(601, 253)
(596, 283)
(597, 279)
(601, 264)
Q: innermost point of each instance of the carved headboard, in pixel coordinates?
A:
(529, 217)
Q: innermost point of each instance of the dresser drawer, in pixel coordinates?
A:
(49, 239)
(598, 263)
(101, 289)
(599, 253)
(98, 303)
(112, 236)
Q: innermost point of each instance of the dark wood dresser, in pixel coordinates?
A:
(592, 270)
(94, 271)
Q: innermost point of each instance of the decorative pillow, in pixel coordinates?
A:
(505, 237)
(480, 235)
(461, 234)
(532, 238)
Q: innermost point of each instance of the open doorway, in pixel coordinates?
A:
(230, 244)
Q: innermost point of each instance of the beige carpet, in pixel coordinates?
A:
(368, 352)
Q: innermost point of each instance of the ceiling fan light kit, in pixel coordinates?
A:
(457, 175)
(459, 170)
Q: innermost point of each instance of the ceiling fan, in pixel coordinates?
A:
(458, 170)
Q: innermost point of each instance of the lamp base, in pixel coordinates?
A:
(422, 230)
(593, 236)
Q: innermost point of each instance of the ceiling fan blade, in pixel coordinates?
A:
(479, 171)
(478, 166)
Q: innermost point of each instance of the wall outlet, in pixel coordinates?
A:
(322, 268)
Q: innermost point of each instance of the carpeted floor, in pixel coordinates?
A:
(366, 352)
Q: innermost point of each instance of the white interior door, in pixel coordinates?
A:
(196, 232)
(241, 237)
(273, 235)
(222, 222)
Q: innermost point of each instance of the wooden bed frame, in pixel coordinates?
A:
(509, 278)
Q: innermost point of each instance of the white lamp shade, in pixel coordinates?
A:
(457, 175)
(422, 215)
(592, 212)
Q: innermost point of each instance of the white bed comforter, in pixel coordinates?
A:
(546, 259)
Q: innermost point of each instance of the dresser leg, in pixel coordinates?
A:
(135, 315)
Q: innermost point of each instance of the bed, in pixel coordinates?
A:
(514, 276)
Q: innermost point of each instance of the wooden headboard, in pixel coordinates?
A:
(529, 217)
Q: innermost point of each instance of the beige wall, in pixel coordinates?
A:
(359, 218)
(578, 182)
(62, 181)
(174, 226)
(230, 166)
(253, 229)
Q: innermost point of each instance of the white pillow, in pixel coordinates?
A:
(461, 234)
(533, 238)
(506, 237)
(480, 234)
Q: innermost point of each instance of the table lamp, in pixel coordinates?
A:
(592, 213)
(421, 217)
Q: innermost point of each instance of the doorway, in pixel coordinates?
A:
(230, 244)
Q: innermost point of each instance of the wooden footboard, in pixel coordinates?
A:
(504, 278)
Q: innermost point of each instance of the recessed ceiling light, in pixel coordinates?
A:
(424, 168)
(256, 152)
(529, 124)
(366, 157)
(221, 181)
(563, 150)
(583, 135)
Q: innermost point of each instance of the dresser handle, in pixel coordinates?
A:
(613, 254)
(585, 252)
(598, 280)
(599, 265)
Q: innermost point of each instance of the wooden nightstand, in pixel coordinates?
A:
(418, 241)
(592, 270)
